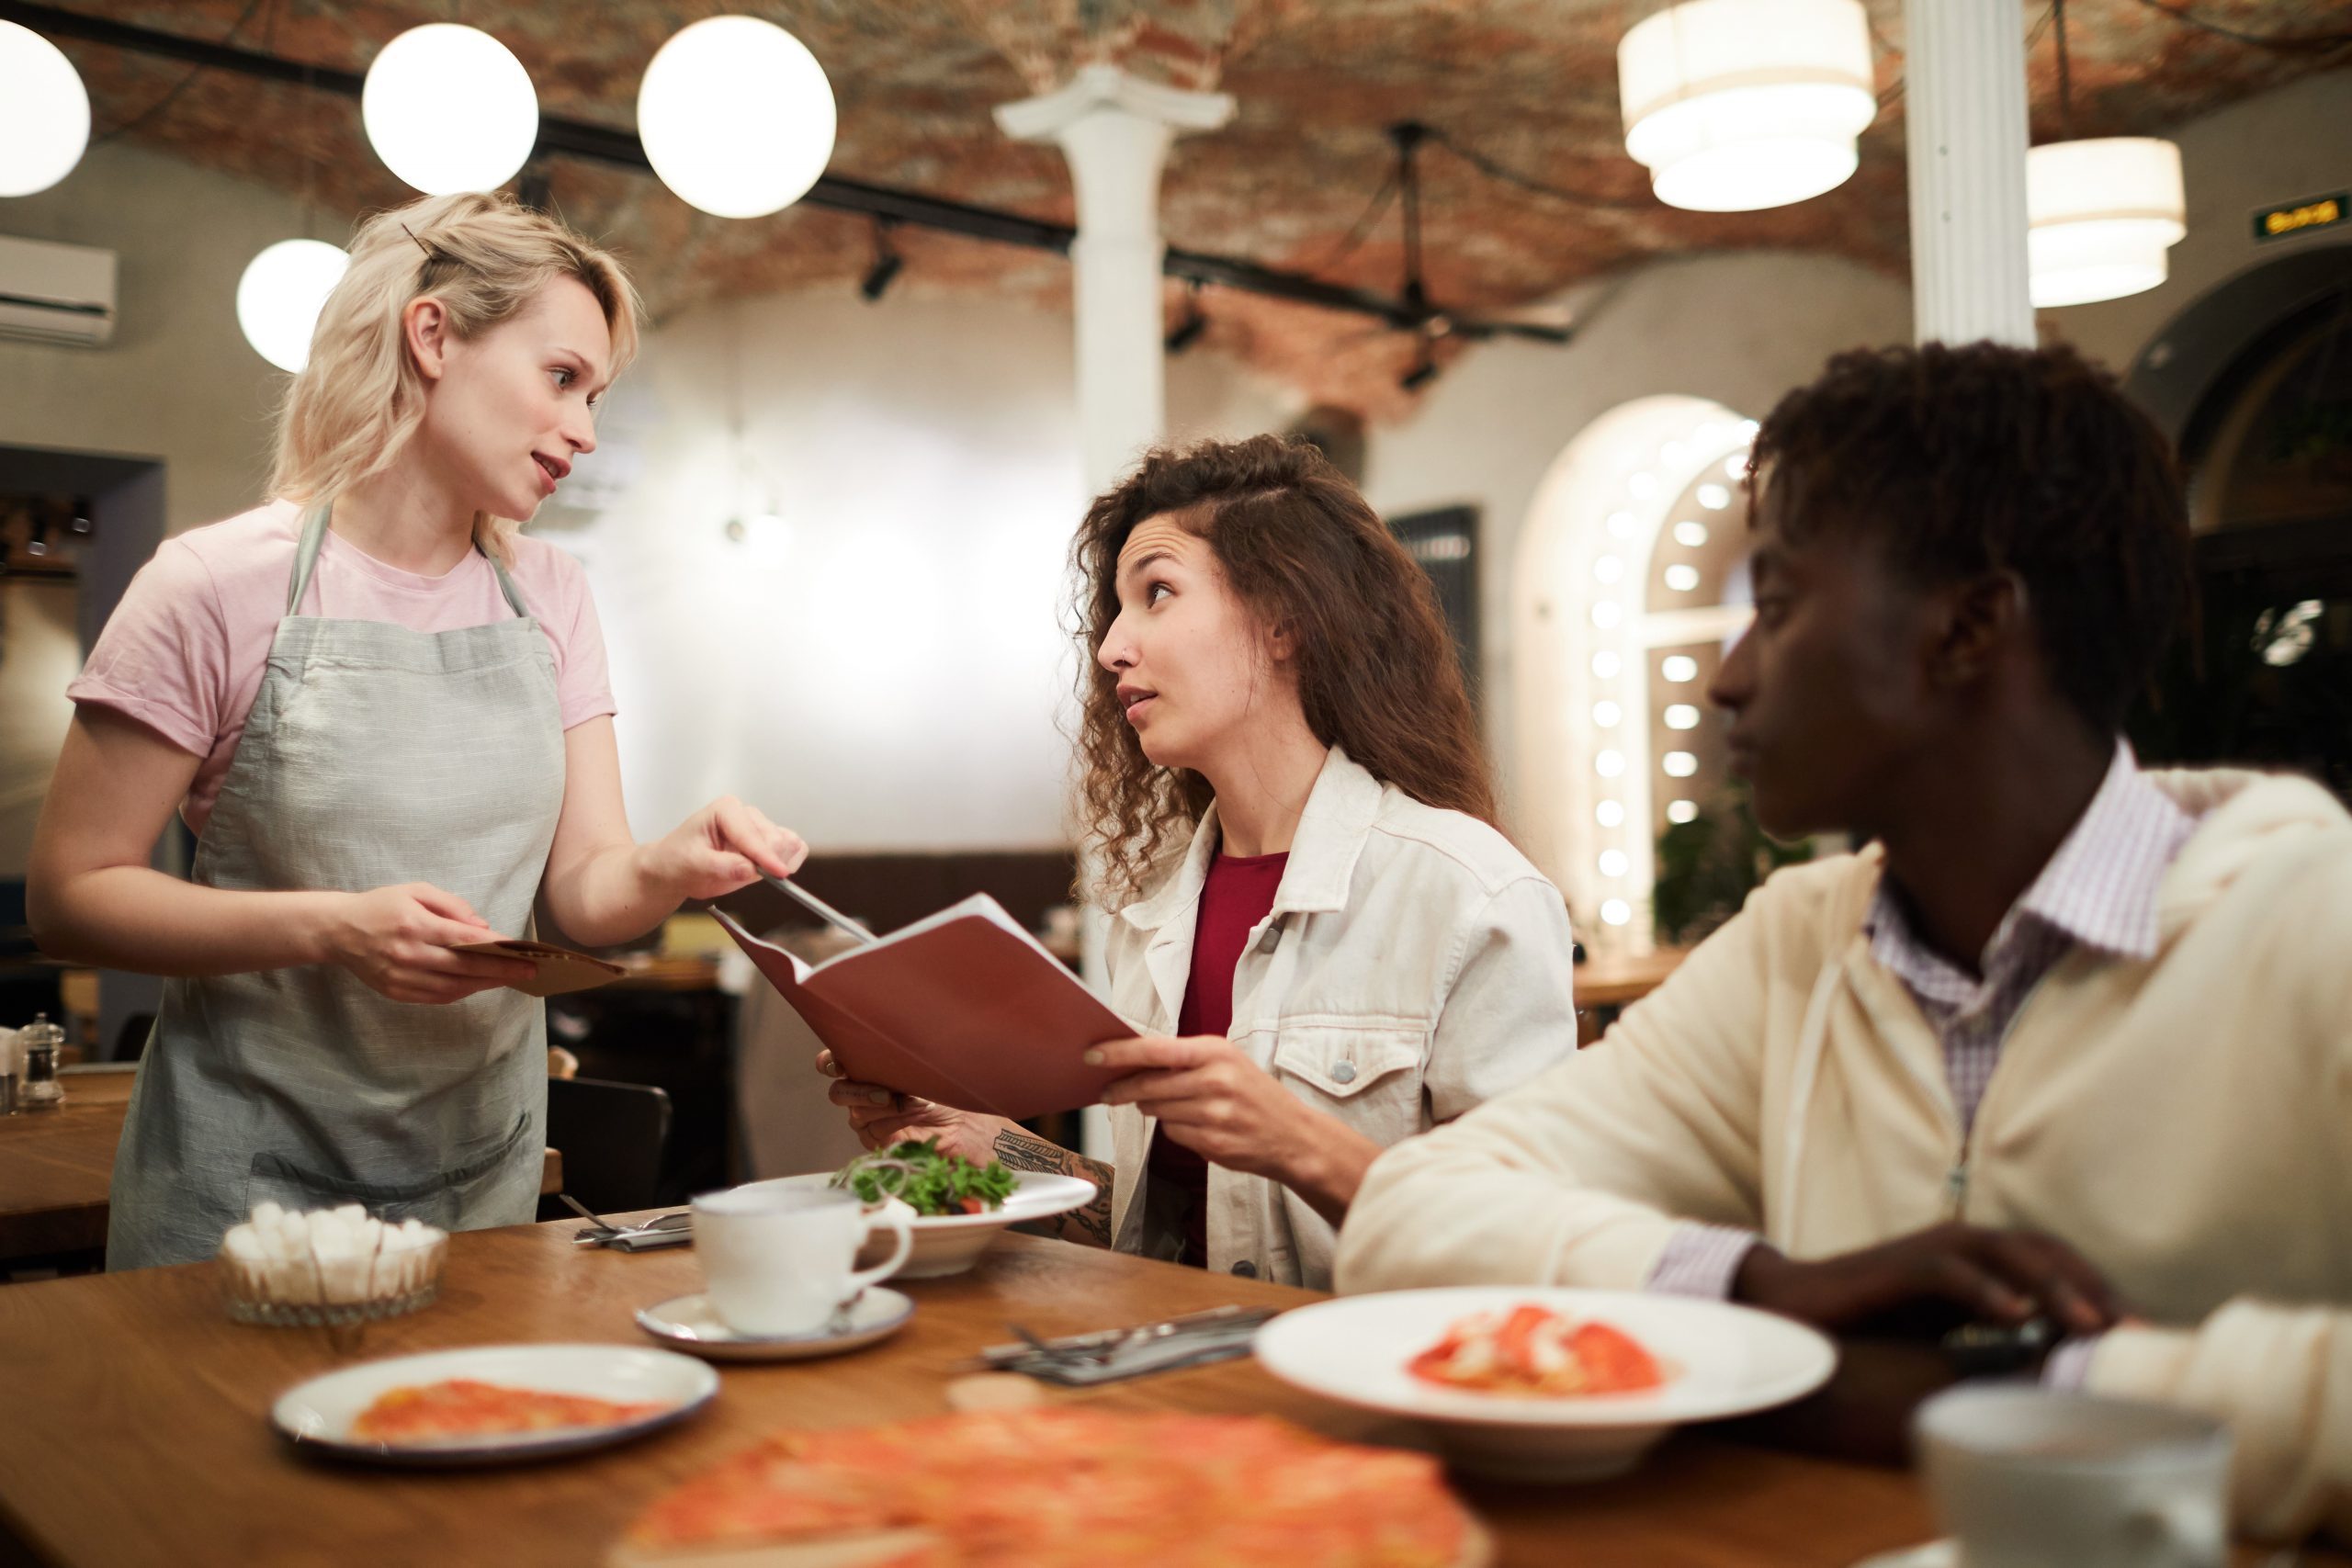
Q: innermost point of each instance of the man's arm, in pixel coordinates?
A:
(1582, 1175)
(2281, 1377)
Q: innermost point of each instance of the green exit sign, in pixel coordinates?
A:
(2302, 217)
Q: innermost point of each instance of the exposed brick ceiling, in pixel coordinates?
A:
(1531, 85)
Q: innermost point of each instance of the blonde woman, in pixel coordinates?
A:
(385, 716)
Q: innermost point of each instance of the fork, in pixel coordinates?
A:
(1101, 1348)
(1052, 1352)
(605, 1230)
(585, 1212)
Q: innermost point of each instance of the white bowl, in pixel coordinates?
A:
(949, 1244)
(1726, 1361)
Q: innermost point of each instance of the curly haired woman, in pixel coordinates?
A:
(1325, 944)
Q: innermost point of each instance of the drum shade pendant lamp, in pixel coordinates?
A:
(44, 112)
(735, 116)
(449, 108)
(1737, 105)
(280, 298)
(2101, 214)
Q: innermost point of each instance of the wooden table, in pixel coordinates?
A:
(1607, 984)
(137, 1429)
(56, 1168)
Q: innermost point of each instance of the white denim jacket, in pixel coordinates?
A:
(1414, 965)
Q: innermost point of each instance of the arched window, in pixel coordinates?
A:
(1631, 583)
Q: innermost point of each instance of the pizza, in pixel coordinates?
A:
(463, 1408)
(1061, 1487)
(1531, 1352)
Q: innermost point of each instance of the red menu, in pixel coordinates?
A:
(962, 1006)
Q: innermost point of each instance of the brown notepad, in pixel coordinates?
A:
(560, 969)
(964, 1008)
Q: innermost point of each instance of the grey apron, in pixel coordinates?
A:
(373, 755)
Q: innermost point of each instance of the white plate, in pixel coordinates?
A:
(691, 1323)
(949, 1244)
(318, 1414)
(1729, 1360)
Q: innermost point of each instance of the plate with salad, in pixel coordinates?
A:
(958, 1208)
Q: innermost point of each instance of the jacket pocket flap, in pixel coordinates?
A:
(1342, 1061)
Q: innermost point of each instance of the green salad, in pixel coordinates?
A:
(926, 1180)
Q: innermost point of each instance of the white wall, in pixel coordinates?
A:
(1739, 328)
(892, 685)
(2292, 143)
(891, 679)
(178, 382)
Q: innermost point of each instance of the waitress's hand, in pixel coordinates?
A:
(398, 940)
(724, 846)
(881, 1118)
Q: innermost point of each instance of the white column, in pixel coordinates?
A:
(1115, 129)
(1964, 102)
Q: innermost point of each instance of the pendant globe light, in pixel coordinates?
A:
(449, 108)
(2100, 212)
(280, 298)
(735, 116)
(44, 112)
(1737, 105)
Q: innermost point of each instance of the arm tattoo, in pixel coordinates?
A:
(1090, 1225)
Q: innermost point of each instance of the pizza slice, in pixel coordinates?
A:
(465, 1407)
(1061, 1488)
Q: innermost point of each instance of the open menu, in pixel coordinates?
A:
(557, 971)
(962, 1006)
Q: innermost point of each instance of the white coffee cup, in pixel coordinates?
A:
(2030, 1477)
(777, 1259)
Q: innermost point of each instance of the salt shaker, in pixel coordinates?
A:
(38, 1042)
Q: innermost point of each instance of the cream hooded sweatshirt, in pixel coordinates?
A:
(2184, 1123)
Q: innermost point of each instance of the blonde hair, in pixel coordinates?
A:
(360, 399)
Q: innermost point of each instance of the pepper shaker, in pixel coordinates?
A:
(39, 1040)
(7, 1072)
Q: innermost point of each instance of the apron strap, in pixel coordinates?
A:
(506, 584)
(314, 533)
(306, 555)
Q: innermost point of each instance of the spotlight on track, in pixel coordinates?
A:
(887, 262)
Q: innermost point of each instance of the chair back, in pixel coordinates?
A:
(611, 1137)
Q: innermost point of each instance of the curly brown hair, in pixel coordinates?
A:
(1377, 672)
(1976, 457)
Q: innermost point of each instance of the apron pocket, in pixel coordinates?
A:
(450, 1199)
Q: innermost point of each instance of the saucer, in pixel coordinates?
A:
(691, 1323)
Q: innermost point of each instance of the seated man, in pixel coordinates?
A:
(2065, 1040)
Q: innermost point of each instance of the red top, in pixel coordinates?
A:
(1238, 894)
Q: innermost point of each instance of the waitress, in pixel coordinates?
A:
(385, 716)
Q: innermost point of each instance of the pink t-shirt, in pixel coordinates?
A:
(185, 650)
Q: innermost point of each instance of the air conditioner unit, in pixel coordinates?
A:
(54, 293)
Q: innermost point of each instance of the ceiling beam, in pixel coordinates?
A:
(621, 149)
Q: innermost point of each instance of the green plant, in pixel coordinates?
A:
(1707, 866)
